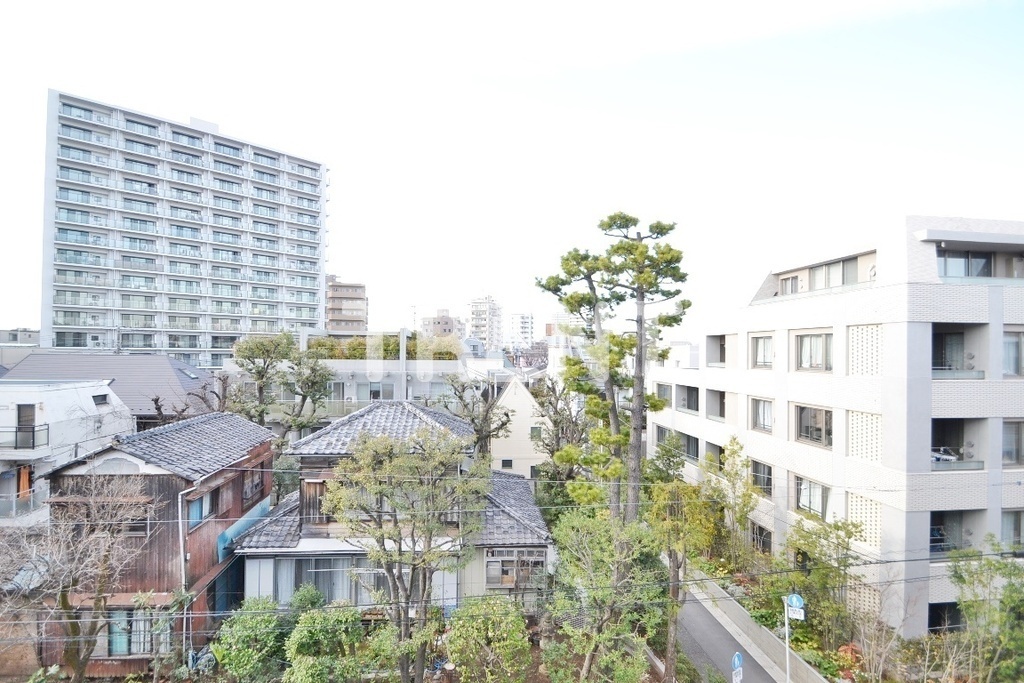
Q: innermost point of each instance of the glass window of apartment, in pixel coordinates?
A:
(761, 414)
(1013, 442)
(789, 285)
(811, 497)
(690, 446)
(814, 352)
(761, 538)
(945, 532)
(1013, 522)
(761, 352)
(664, 392)
(687, 398)
(660, 434)
(761, 475)
(964, 263)
(1013, 347)
(947, 350)
(814, 425)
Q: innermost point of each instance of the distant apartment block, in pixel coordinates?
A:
(521, 330)
(347, 306)
(443, 324)
(170, 237)
(20, 335)
(485, 322)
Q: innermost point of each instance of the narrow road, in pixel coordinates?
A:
(707, 643)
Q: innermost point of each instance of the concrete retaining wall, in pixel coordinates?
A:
(799, 670)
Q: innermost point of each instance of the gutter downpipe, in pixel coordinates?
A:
(185, 630)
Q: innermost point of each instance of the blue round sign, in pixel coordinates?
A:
(794, 600)
(737, 661)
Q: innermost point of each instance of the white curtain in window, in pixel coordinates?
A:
(285, 580)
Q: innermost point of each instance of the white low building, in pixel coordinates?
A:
(884, 387)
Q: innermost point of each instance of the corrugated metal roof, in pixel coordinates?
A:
(136, 378)
(397, 419)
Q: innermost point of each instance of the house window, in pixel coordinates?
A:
(310, 500)
(1013, 521)
(761, 415)
(761, 352)
(506, 464)
(761, 538)
(534, 472)
(664, 392)
(761, 474)
(811, 496)
(535, 433)
(515, 567)
(814, 352)
(252, 485)
(132, 632)
(201, 508)
(687, 398)
(814, 425)
(690, 446)
(1013, 443)
(789, 285)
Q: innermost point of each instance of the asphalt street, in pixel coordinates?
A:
(707, 642)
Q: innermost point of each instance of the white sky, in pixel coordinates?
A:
(471, 144)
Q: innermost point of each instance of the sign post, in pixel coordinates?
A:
(792, 606)
(737, 668)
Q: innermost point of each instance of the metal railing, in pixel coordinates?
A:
(952, 458)
(17, 504)
(25, 437)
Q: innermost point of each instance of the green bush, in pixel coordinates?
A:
(686, 670)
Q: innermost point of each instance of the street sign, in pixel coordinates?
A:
(737, 661)
(737, 675)
(795, 600)
(795, 613)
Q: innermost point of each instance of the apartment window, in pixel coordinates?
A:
(946, 531)
(664, 392)
(202, 508)
(1013, 348)
(964, 263)
(944, 616)
(506, 464)
(814, 352)
(948, 351)
(187, 139)
(1013, 442)
(140, 127)
(789, 285)
(660, 434)
(227, 168)
(1013, 522)
(535, 433)
(761, 538)
(761, 352)
(716, 404)
(761, 475)
(761, 415)
(687, 398)
(811, 497)
(690, 446)
(227, 149)
(814, 425)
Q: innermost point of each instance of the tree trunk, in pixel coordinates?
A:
(636, 425)
(673, 616)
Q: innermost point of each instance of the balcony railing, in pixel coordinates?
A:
(942, 540)
(951, 458)
(17, 504)
(25, 437)
(948, 372)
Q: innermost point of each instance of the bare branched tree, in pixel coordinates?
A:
(477, 403)
(66, 570)
(213, 394)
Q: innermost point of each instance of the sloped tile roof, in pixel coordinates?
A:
(198, 446)
(281, 529)
(512, 516)
(397, 419)
(136, 378)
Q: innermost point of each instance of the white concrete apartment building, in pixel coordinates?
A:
(884, 387)
(485, 322)
(521, 334)
(172, 237)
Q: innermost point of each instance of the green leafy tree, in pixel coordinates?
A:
(616, 609)
(407, 503)
(308, 378)
(323, 646)
(477, 403)
(990, 593)
(286, 476)
(263, 360)
(682, 523)
(637, 267)
(728, 482)
(488, 641)
(250, 641)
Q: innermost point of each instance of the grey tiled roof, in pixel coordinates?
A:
(136, 378)
(512, 516)
(281, 529)
(198, 446)
(397, 419)
(3, 370)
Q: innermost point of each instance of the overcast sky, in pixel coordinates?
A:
(471, 144)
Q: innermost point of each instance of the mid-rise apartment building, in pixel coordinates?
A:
(171, 237)
(521, 336)
(485, 322)
(884, 387)
(444, 323)
(347, 306)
